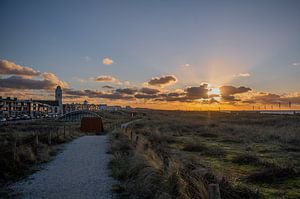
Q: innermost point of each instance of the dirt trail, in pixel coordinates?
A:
(80, 171)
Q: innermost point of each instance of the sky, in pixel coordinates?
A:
(192, 54)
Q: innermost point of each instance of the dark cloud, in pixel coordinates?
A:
(149, 91)
(10, 68)
(267, 98)
(128, 91)
(189, 95)
(172, 94)
(292, 99)
(228, 92)
(75, 92)
(97, 94)
(271, 98)
(231, 90)
(115, 96)
(108, 87)
(162, 81)
(229, 98)
(210, 101)
(143, 96)
(19, 82)
(200, 92)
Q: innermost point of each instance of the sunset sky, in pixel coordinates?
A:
(159, 54)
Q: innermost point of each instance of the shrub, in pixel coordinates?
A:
(246, 159)
(193, 147)
(273, 174)
(205, 150)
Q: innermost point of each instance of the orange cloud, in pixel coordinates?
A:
(107, 78)
(107, 61)
(10, 68)
(242, 75)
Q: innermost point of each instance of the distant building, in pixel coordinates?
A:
(102, 107)
(114, 108)
(12, 107)
(128, 108)
(55, 106)
(85, 105)
(58, 97)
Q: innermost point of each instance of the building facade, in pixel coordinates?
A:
(15, 108)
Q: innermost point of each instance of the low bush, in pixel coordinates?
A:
(247, 158)
(205, 150)
(274, 174)
(194, 147)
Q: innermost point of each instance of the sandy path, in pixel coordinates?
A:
(80, 171)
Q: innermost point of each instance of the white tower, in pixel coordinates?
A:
(85, 105)
(58, 97)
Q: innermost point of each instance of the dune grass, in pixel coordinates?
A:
(249, 155)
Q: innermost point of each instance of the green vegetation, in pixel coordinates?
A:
(248, 155)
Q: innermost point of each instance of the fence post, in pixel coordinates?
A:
(57, 132)
(49, 138)
(214, 191)
(136, 140)
(64, 131)
(14, 152)
(36, 142)
(36, 139)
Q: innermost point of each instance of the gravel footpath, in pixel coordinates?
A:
(80, 171)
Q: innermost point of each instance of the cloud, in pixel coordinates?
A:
(144, 96)
(163, 81)
(149, 91)
(173, 96)
(10, 68)
(107, 61)
(242, 75)
(200, 92)
(228, 92)
(108, 87)
(50, 77)
(49, 81)
(186, 65)
(107, 78)
(128, 91)
(126, 83)
(294, 99)
(190, 94)
(266, 98)
(97, 94)
(296, 64)
(231, 90)
(230, 98)
(271, 98)
(17, 77)
(210, 101)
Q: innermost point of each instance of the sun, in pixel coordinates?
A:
(214, 91)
